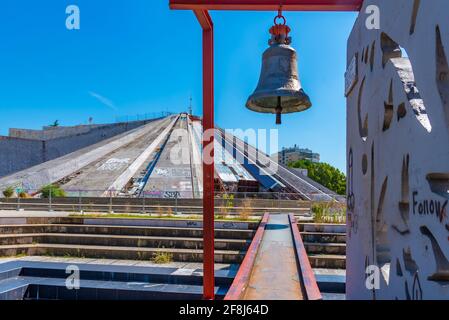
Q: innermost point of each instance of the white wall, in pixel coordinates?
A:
(398, 152)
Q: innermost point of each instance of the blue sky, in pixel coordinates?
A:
(135, 57)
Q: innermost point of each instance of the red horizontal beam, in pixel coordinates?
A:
(268, 5)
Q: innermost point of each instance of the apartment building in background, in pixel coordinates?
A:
(292, 154)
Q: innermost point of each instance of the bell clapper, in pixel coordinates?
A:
(279, 111)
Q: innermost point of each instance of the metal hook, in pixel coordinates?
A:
(280, 16)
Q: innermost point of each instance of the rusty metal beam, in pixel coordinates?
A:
(304, 268)
(268, 5)
(208, 154)
(204, 19)
(241, 280)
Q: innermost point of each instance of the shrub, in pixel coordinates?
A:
(8, 192)
(169, 211)
(247, 210)
(164, 212)
(228, 203)
(54, 190)
(24, 195)
(159, 212)
(162, 257)
(329, 212)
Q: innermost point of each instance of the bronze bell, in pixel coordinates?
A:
(279, 89)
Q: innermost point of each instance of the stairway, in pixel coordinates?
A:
(326, 247)
(121, 242)
(35, 280)
(96, 245)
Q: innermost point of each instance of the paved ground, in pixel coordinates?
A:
(137, 263)
(44, 278)
(32, 214)
(45, 214)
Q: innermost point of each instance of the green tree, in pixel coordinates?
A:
(54, 190)
(8, 192)
(324, 174)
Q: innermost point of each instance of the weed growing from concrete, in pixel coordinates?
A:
(246, 211)
(162, 258)
(329, 212)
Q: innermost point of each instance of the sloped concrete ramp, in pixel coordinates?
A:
(276, 266)
(57, 169)
(275, 273)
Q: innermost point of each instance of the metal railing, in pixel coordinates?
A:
(168, 194)
(143, 116)
(172, 202)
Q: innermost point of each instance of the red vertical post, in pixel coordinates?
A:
(208, 155)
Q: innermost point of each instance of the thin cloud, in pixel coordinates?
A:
(105, 101)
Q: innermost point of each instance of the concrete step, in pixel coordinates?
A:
(333, 296)
(124, 230)
(329, 261)
(331, 280)
(13, 288)
(325, 248)
(124, 273)
(110, 252)
(9, 271)
(323, 237)
(120, 241)
(328, 285)
(13, 239)
(55, 289)
(322, 227)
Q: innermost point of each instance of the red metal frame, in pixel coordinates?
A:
(208, 144)
(268, 5)
(200, 8)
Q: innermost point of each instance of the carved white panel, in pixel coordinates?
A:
(398, 152)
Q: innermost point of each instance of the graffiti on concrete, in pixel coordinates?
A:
(171, 194)
(114, 164)
(404, 204)
(417, 293)
(429, 207)
(417, 290)
(352, 216)
(399, 268)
